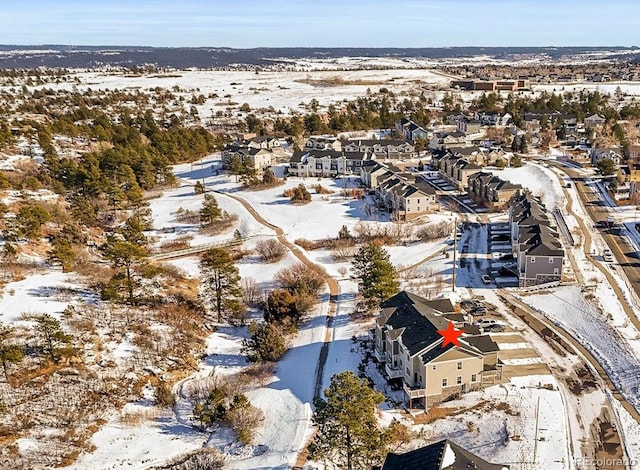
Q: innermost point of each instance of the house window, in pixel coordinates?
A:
(459, 379)
(473, 377)
(444, 382)
(533, 259)
(419, 378)
(459, 365)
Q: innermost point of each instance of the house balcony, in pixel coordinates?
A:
(379, 355)
(393, 372)
(414, 392)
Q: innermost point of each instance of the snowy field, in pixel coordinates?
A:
(538, 179)
(50, 293)
(630, 88)
(282, 90)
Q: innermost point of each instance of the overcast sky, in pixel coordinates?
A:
(330, 23)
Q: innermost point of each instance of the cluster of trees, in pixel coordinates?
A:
(53, 343)
(298, 194)
(283, 310)
(271, 250)
(135, 156)
(244, 172)
(235, 410)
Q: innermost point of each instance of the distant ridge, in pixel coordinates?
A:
(65, 56)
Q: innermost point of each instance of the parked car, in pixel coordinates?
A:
(469, 304)
(497, 328)
(486, 279)
(607, 255)
(486, 323)
(479, 311)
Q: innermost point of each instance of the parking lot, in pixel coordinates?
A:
(503, 266)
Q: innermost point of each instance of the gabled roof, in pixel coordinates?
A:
(418, 321)
(442, 455)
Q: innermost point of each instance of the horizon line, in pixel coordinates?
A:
(616, 46)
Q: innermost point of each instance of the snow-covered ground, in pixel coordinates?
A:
(284, 91)
(50, 293)
(538, 179)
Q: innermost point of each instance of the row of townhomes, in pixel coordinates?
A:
(536, 245)
(484, 118)
(407, 342)
(492, 192)
(327, 163)
(258, 152)
(399, 193)
(454, 168)
(328, 156)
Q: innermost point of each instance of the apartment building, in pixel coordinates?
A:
(408, 345)
(536, 244)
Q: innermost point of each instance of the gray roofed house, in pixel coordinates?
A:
(327, 163)
(442, 455)
(407, 341)
(491, 191)
(536, 245)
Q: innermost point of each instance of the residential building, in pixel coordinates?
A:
(594, 120)
(412, 131)
(456, 170)
(536, 244)
(371, 171)
(323, 142)
(442, 455)
(327, 163)
(404, 197)
(258, 158)
(611, 153)
(468, 126)
(407, 343)
(491, 191)
(628, 178)
(445, 140)
(384, 149)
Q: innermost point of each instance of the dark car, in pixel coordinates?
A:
(497, 328)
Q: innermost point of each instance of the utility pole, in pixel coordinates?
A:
(455, 236)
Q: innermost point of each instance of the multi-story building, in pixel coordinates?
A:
(323, 142)
(536, 244)
(407, 343)
(327, 163)
(384, 149)
(412, 131)
(492, 192)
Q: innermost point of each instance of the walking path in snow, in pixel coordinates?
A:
(334, 292)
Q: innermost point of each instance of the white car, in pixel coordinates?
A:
(487, 322)
(486, 279)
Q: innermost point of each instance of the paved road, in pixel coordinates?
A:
(623, 252)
